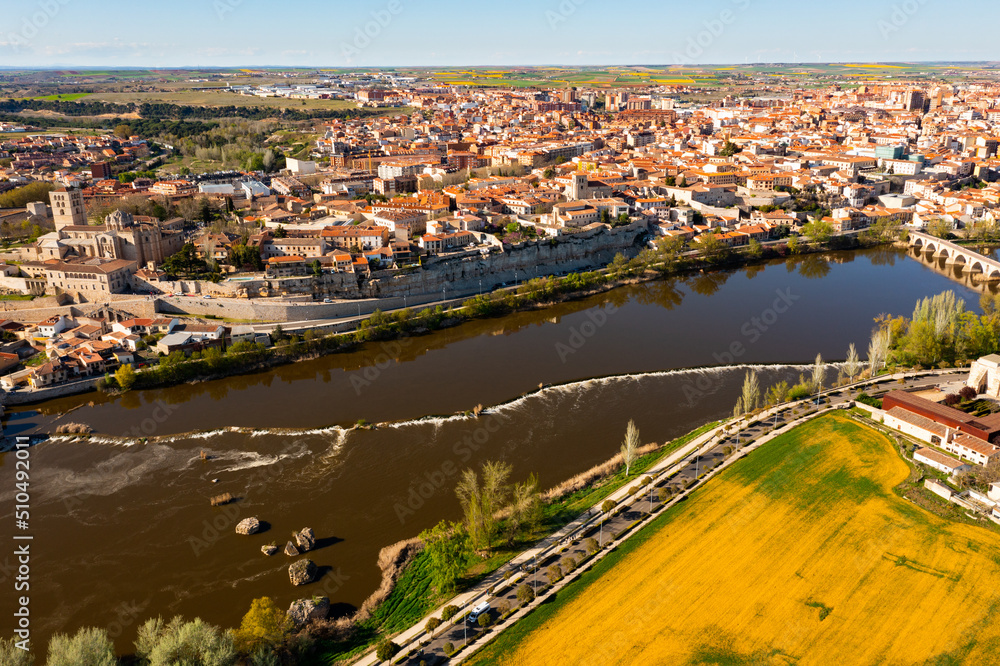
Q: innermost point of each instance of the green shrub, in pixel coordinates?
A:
(448, 612)
(88, 646)
(386, 649)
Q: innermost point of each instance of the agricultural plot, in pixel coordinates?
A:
(800, 553)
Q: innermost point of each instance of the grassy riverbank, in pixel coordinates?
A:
(414, 596)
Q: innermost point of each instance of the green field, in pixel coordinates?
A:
(223, 98)
(65, 97)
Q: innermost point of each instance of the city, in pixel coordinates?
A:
(691, 363)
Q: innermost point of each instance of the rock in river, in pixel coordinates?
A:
(305, 539)
(248, 526)
(269, 549)
(301, 572)
(291, 550)
(305, 610)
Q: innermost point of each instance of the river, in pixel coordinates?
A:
(122, 525)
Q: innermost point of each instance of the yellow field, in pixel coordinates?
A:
(799, 554)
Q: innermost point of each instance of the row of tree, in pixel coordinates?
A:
(260, 640)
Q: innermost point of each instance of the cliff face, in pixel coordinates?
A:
(458, 274)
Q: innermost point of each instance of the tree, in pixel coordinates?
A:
(482, 501)
(818, 230)
(264, 625)
(750, 396)
(525, 594)
(608, 506)
(877, 350)
(793, 244)
(729, 149)
(88, 646)
(754, 249)
(11, 655)
(386, 649)
(940, 228)
(450, 551)
(125, 377)
(432, 624)
(967, 393)
(778, 393)
(630, 447)
(484, 620)
(618, 266)
(852, 366)
(525, 507)
(710, 244)
(818, 373)
(548, 173)
(317, 268)
(123, 131)
(180, 642)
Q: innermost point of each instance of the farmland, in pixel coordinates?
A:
(800, 553)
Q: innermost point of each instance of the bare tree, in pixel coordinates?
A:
(750, 397)
(852, 366)
(818, 374)
(630, 446)
(877, 350)
(470, 496)
(524, 507)
(493, 496)
(738, 408)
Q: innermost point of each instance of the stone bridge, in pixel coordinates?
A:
(983, 268)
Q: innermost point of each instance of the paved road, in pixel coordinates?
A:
(676, 475)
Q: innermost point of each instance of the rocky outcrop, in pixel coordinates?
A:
(248, 526)
(305, 539)
(291, 550)
(301, 572)
(304, 611)
(269, 549)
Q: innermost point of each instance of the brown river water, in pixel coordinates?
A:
(123, 529)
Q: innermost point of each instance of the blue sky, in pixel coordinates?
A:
(181, 33)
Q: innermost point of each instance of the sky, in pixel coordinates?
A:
(383, 33)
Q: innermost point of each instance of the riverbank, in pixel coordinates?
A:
(533, 295)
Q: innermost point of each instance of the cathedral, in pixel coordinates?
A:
(144, 240)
